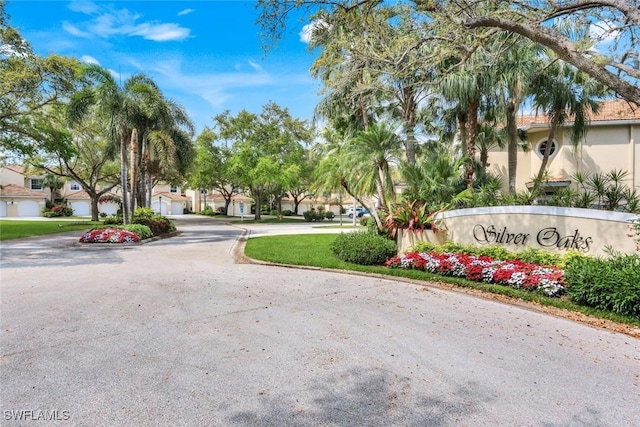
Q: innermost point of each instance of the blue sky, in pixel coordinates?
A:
(206, 55)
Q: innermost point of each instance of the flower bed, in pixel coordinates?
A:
(546, 279)
(109, 235)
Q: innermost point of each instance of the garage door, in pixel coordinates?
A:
(176, 208)
(82, 208)
(28, 208)
(108, 208)
(3, 209)
(156, 207)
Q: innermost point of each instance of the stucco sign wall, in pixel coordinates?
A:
(552, 228)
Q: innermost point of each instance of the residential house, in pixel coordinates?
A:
(612, 143)
(21, 194)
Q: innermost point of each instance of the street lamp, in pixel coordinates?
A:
(160, 204)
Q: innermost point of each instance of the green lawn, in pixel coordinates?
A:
(314, 250)
(16, 229)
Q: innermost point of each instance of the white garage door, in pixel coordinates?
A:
(108, 208)
(156, 207)
(81, 208)
(3, 209)
(27, 208)
(176, 208)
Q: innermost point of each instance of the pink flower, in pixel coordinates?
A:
(514, 273)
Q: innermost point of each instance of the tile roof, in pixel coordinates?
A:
(610, 110)
(171, 196)
(16, 168)
(12, 190)
(78, 195)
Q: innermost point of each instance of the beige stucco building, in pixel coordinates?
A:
(612, 143)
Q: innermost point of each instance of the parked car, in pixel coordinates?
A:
(359, 212)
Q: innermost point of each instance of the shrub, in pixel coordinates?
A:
(158, 224)
(102, 215)
(413, 216)
(208, 210)
(312, 215)
(364, 220)
(57, 211)
(540, 256)
(287, 212)
(273, 212)
(363, 248)
(143, 231)
(606, 284)
(329, 215)
(113, 220)
(142, 214)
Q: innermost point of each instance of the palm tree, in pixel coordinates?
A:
(564, 93)
(159, 124)
(465, 86)
(132, 112)
(117, 106)
(53, 183)
(517, 62)
(370, 154)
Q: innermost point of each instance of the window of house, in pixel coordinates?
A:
(74, 186)
(36, 184)
(174, 189)
(542, 146)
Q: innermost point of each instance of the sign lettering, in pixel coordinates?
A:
(546, 237)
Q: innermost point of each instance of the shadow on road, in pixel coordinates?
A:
(367, 397)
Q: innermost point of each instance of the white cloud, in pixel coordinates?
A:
(161, 32)
(305, 33)
(123, 22)
(73, 30)
(89, 60)
(185, 12)
(82, 6)
(255, 65)
(603, 32)
(307, 30)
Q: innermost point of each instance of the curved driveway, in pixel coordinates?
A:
(175, 333)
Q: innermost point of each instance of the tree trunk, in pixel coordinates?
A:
(258, 195)
(94, 206)
(512, 148)
(410, 144)
(484, 157)
(547, 150)
(123, 177)
(134, 170)
(409, 113)
(471, 143)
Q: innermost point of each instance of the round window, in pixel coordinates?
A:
(542, 146)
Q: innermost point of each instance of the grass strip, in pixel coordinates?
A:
(16, 229)
(314, 250)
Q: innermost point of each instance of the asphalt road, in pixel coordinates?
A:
(175, 333)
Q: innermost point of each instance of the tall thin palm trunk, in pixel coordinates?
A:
(134, 170)
(123, 177)
(512, 148)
